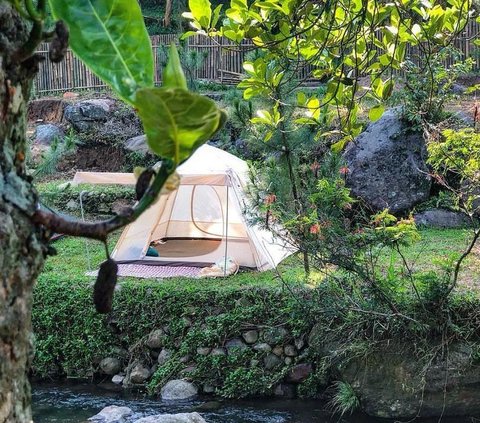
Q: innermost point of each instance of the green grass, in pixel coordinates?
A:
(71, 263)
(436, 247)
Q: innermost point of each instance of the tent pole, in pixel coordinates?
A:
(226, 236)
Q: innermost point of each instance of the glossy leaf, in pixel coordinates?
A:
(376, 112)
(176, 121)
(173, 76)
(110, 37)
(201, 11)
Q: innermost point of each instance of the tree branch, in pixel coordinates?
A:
(100, 230)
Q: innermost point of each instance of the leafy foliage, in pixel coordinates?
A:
(110, 37)
(428, 85)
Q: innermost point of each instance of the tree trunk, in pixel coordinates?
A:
(168, 13)
(22, 245)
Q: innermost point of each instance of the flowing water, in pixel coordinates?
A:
(76, 403)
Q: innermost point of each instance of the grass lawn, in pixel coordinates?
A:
(71, 263)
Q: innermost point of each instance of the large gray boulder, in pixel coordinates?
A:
(178, 389)
(386, 165)
(173, 418)
(395, 383)
(112, 414)
(85, 115)
(442, 218)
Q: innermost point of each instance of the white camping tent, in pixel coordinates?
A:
(200, 222)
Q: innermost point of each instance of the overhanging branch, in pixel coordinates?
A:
(100, 230)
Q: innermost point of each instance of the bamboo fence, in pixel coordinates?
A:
(221, 62)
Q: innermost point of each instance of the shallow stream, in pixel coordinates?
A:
(56, 403)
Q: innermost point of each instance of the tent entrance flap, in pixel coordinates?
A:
(184, 247)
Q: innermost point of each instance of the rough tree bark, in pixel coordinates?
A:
(22, 244)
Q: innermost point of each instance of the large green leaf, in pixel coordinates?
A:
(176, 121)
(173, 76)
(110, 37)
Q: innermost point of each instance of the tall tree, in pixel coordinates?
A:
(111, 38)
(168, 13)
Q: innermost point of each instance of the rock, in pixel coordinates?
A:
(250, 336)
(262, 347)
(386, 165)
(187, 370)
(85, 115)
(441, 218)
(275, 336)
(110, 366)
(118, 379)
(299, 342)
(164, 356)
(288, 361)
(138, 145)
(285, 390)
(299, 373)
(254, 362)
(112, 414)
(203, 350)
(270, 361)
(48, 133)
(185, 359)
(278, 350)
(72, 205)
(235, 344)
(139, 374)
(218, 351)
(458, 89)
(155, 339)
(208, 389)
(173, 418)
(290, 351)
(447, 386)
(178, 389)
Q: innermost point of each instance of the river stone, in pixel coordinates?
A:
(173, 418)
(112, 414)
(118, 379)
(235, 344)
(278, 350)
(387, 165)
(274, 336)
(139, 374)
(290, 350)
(250, 336)
(299, 373)
(155, 339)
(392, 383)
(164, 356)
(47, 134)
(138, 145)
(270, 361)
(203, 350)
(178, 389)
(218, 351)
(262, 347)
(110, 366)
(441, 218)
(300, 342)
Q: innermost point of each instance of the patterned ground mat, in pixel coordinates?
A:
(144, 271)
